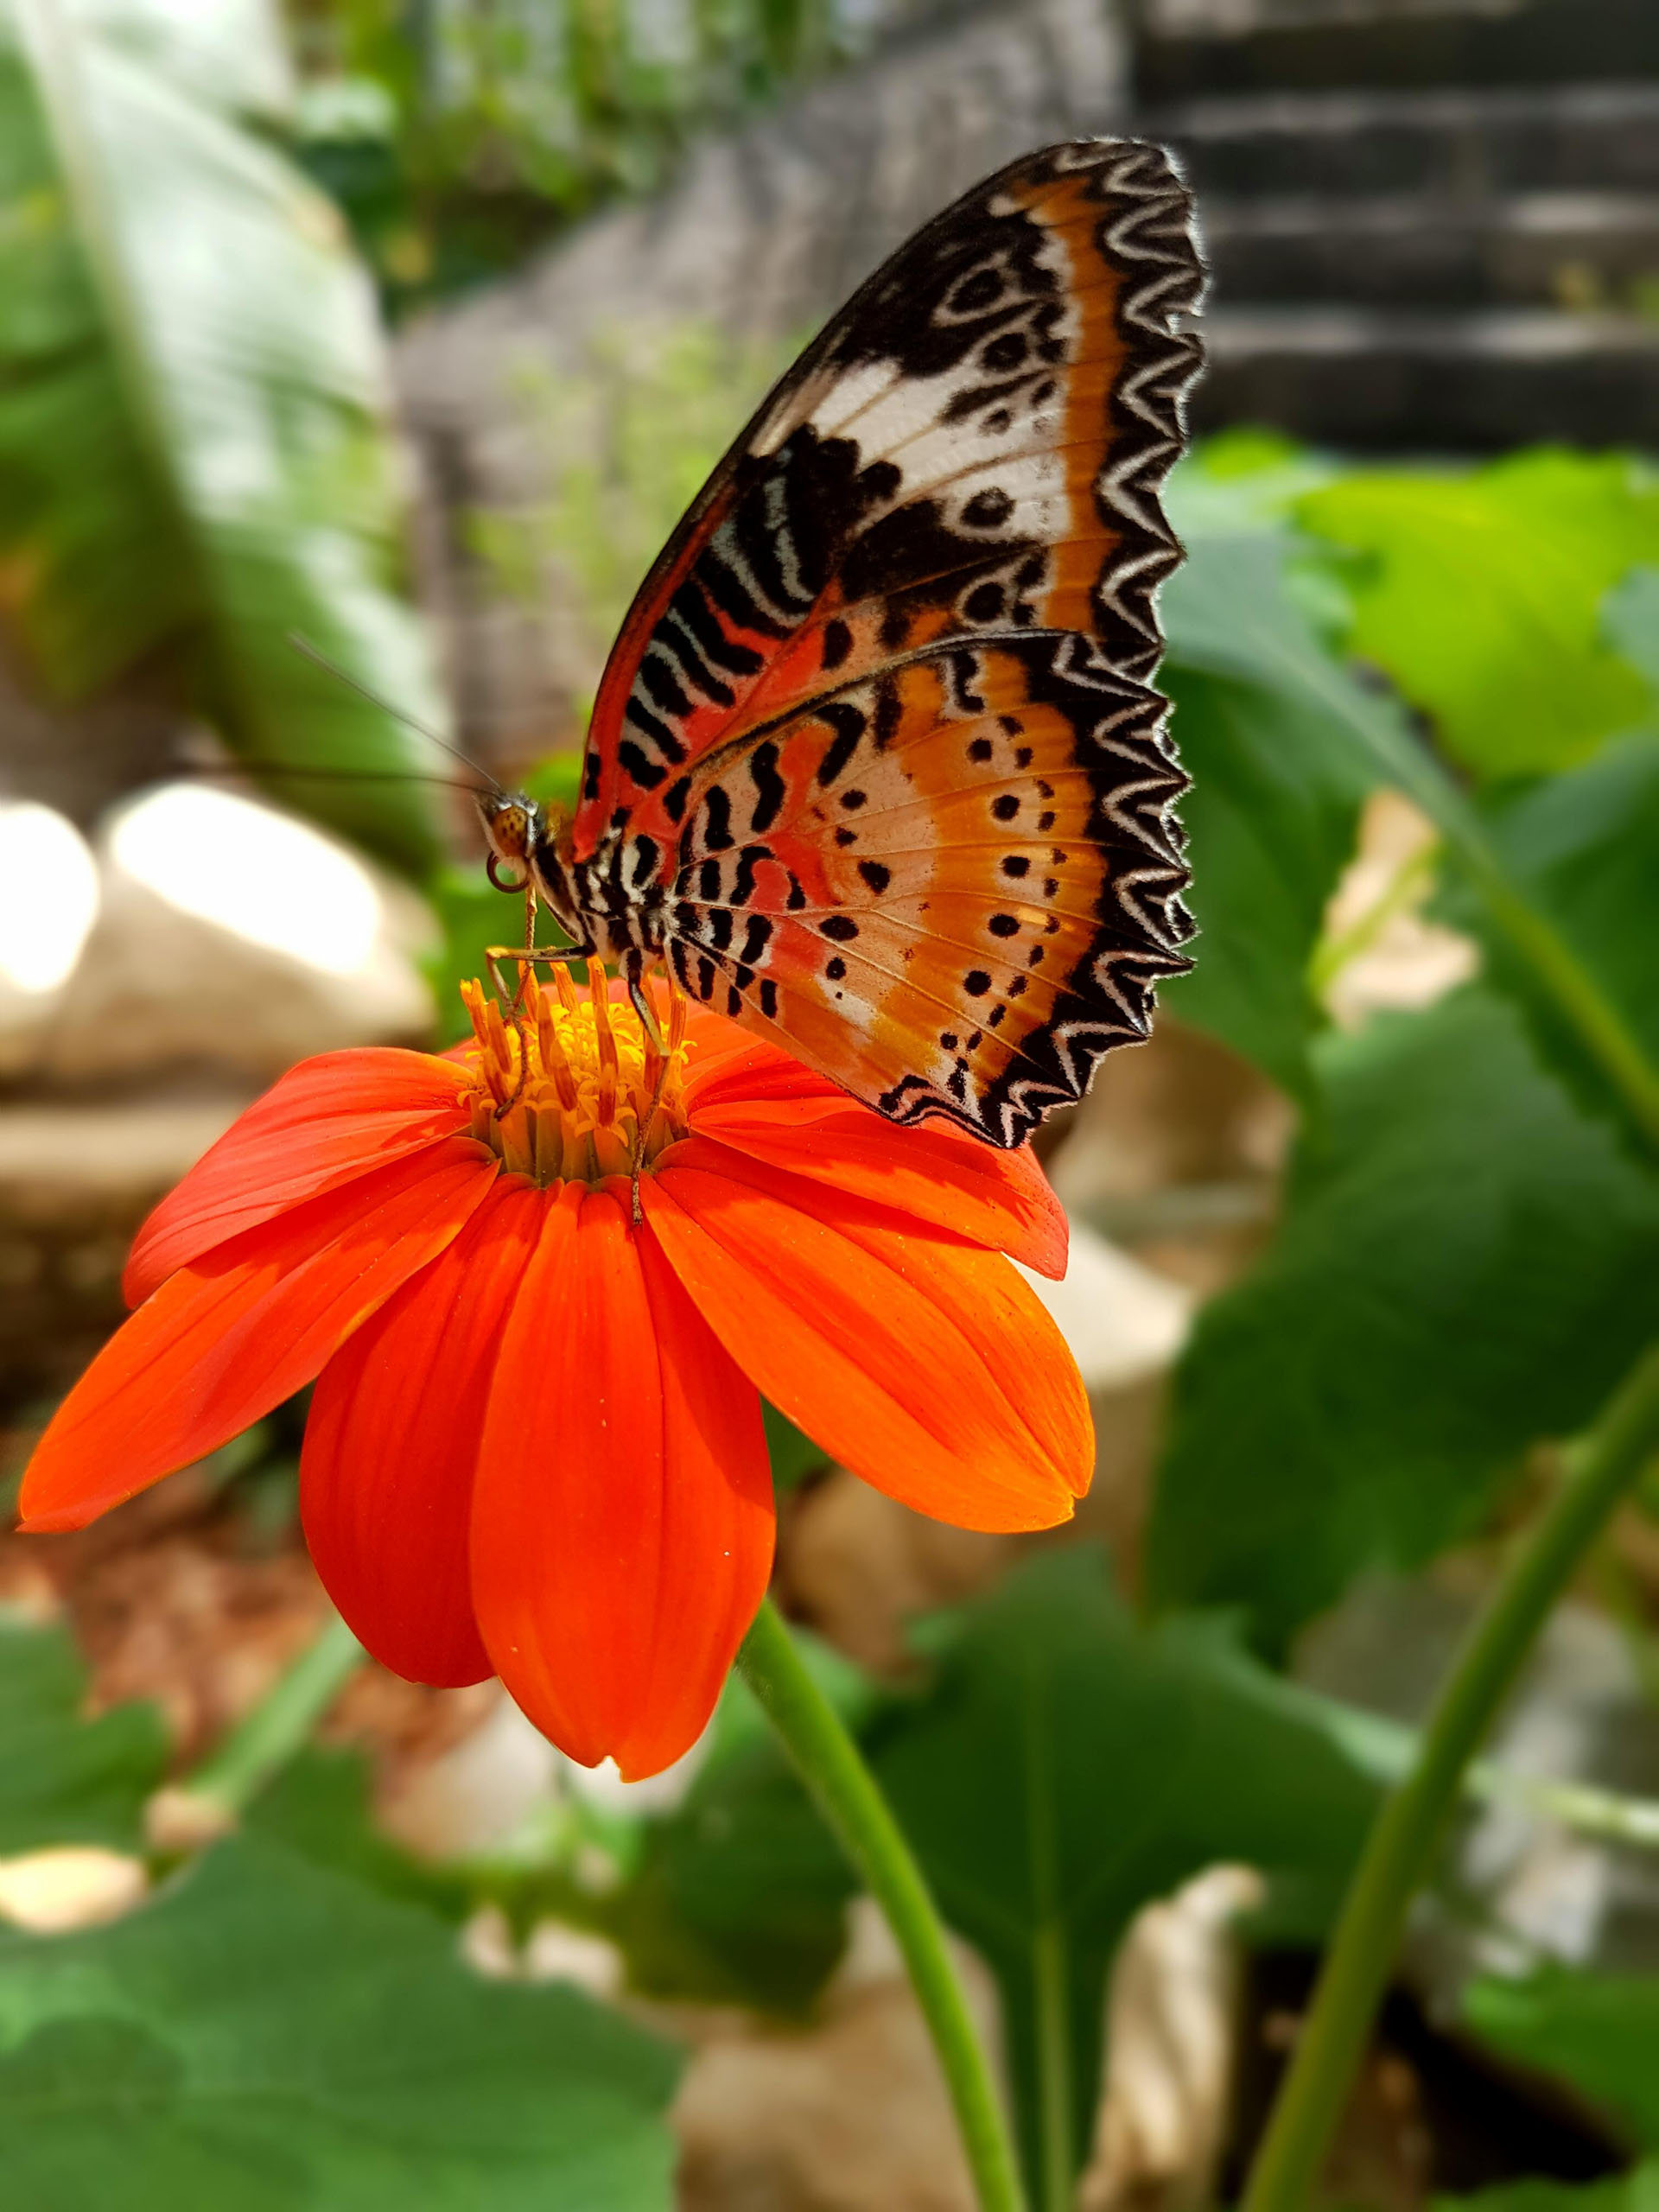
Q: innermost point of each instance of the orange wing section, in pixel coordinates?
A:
(972, 448)
(967, 891)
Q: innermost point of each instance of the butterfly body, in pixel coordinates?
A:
(875, 767)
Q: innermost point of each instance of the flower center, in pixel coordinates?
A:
(563, 1087)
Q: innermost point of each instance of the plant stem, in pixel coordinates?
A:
(1400, 1846)
(279, 1727)
(845, 1790)
(1056, 2180)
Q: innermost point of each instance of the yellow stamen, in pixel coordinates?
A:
(599, 992)
(587, 1086)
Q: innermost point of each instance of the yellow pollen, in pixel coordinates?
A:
(575, 1113)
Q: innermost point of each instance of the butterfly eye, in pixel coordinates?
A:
(511, 826)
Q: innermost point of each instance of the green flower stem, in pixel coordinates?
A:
(279, 1727)
(833, 1769)
(1601, 1468)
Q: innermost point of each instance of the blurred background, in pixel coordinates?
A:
(412, 326)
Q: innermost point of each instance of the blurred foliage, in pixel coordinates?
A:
(268, 2034)
(458, 135)
(1466, 1264)
(1275, 804)
(626, 443)
(194, 453)
(1583, 848)
(1597, 2031)
(63, 1779)
(285, 2022)
(1065, 1768)
(624, 447)
(1479, 591)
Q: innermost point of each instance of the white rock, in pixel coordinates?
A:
(233, 933)
(1121, 1320)
(49, 904)
(72, 1885)
(471, 1799)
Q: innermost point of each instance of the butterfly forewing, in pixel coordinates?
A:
(878, 721)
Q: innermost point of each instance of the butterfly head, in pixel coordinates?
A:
(514, 826)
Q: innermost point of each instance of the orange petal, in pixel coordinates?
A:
(718, 1524)
(622, 1521)
(326, 1123)
(923, 1363)
(932, 1173)
(225, 1340)
(392, 1446)
(727, 1065)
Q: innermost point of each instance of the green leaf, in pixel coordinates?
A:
(319, 1808)
(1466, 1263)
(1066, 1768)
(64, 1779)
(195, 458)
(1583, 850)
(1599, 2031)
(1630, 616)
(1277, 786)
(740, 1895)
(1241, 481)
(1635, 2192)
(794, 1455)
(266, 2033)
(1481, 595)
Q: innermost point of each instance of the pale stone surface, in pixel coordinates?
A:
(142, 1146)
(844, 2116)
(1172, 2050)
(1402, 960)
(72, 1886)
(159, 985)
(850, 2113)
(48, 903)
(473, 1796)
(858, 1567)
(1120, 1320)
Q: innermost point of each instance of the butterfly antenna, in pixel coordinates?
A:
(242, 765)
(302, 645)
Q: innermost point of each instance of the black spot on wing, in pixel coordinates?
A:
(769, 787)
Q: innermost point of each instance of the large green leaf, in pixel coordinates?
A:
(1466, 1263)
(1481, 594)
(1065, 1768)
(63, 1779)
(1277, 786)
(268, 2034)
(194, 453)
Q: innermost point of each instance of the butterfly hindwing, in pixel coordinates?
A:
(944, 523)
(966, 891)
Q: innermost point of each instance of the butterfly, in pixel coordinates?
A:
(876, 767)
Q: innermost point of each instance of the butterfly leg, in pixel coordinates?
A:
(527, 956)
(635, 969)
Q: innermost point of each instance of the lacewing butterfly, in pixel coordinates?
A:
(876, 767)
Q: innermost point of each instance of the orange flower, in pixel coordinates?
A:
(535, 1449)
